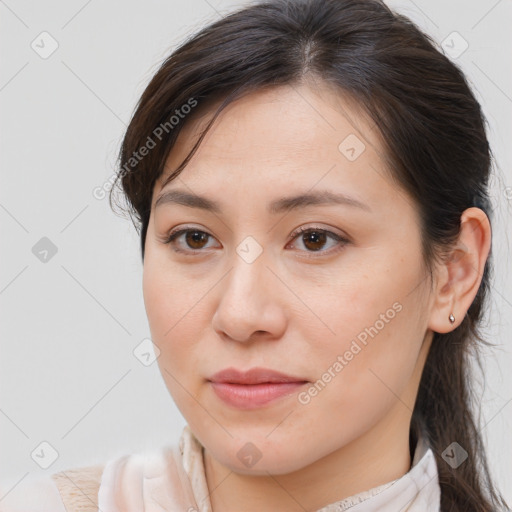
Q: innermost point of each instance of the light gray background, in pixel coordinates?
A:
(69, 326)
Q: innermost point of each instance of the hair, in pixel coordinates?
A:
(436, 147)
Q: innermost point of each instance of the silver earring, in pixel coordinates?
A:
(451, 318)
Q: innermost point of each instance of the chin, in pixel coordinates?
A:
(261, 457)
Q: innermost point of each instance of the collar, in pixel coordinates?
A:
(416, 491)
(173, 478)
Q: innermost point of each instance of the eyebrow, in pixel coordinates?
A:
(282, 205)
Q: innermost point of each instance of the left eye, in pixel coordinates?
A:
(313, 239)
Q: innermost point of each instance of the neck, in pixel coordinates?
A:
(377, 457)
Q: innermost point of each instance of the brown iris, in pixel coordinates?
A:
(196, 237)
(316, 238)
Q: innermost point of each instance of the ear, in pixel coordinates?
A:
(459, 277)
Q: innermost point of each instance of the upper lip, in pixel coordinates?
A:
(252, 376)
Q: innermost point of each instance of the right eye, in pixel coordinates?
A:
(188, 240)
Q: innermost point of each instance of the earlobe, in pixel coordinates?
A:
(459, 277)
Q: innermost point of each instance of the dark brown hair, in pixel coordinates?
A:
(436, 146)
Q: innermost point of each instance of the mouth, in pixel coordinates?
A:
(254, 388)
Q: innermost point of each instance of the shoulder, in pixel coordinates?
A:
(79, 487)
(70, 490)
(167, 478)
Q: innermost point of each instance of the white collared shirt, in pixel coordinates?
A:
(173, 479)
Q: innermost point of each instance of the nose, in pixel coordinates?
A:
(250, 305)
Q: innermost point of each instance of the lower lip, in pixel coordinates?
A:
(252, 396)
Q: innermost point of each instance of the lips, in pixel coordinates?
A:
(253, 376)
(254, 388)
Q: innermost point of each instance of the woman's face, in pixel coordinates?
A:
(342, 308)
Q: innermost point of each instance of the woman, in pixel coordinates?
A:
(310, 182)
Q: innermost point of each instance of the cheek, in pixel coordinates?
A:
(168, 294)
(176, 317)
(375, 331)
(173, 324)
(360, 379)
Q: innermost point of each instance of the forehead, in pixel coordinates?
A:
(281, 137)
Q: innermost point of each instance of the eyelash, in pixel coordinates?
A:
(342, 241)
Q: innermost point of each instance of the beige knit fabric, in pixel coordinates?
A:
(79, 487)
